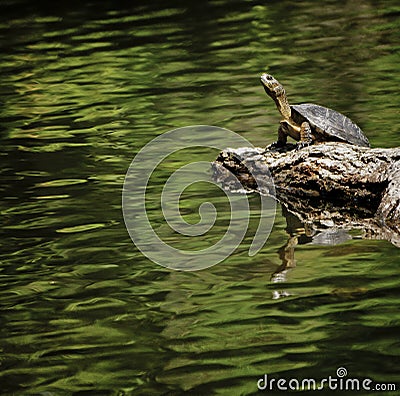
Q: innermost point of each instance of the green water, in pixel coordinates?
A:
(84, 86)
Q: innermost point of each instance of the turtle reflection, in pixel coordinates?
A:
(301, 233)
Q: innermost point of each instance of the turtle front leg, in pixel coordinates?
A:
(282, 140)
(305, 136)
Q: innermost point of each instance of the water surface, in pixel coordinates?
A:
(83, 87)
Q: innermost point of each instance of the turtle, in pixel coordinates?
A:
(309, 123)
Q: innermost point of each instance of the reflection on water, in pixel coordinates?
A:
(84, 87)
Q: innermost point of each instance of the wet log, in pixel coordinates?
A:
(331, 184)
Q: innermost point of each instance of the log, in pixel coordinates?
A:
(332, 185)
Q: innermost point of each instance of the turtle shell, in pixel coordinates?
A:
(328, 124)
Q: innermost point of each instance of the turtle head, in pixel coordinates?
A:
(275, 90)
(272, 86)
